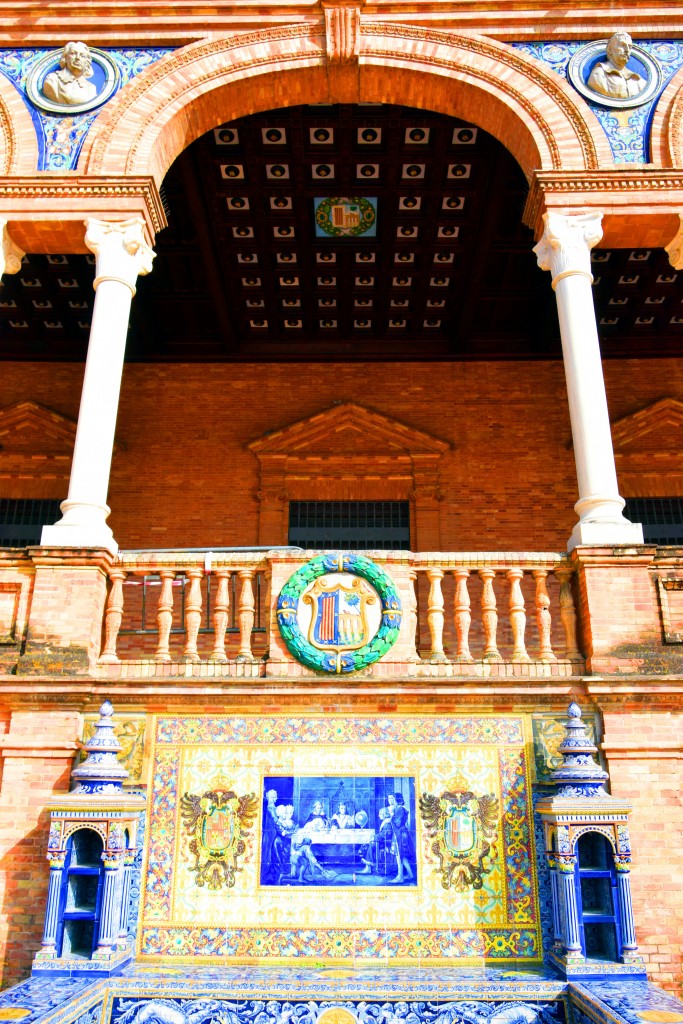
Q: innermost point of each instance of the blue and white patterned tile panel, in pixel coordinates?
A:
(60, 137)
(275, 1011)
(57, 999)
(623, 1000)
(627, 130)
(370, 983)
(391, 995)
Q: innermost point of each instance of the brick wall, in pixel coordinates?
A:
(645, 761)
(37, 752)
(186, 477)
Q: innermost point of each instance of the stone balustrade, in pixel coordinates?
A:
(84, 612)
(195, 613)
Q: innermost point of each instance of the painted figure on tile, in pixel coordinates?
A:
(70, 84)
(612, 77)
(317, 818)
(402, 846)
(304, 865)
(341, 818)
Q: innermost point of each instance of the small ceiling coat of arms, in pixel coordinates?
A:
(462, 827)
(216, 823)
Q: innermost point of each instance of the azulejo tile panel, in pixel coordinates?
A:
(61, 136)
(435, 857)
(627, 130)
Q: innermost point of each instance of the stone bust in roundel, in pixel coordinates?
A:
(612, 77)
(70, 85)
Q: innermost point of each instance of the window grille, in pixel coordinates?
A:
(662, 518)
(350, 525)
(22, 520)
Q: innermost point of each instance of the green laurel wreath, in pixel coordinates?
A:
(323, 219)
(347, 661)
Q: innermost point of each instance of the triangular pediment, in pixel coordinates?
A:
(29, 430)
(656, 428)
(348, 430)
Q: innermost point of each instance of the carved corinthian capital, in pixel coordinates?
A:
(565, 247)
(12, 255)
(120, 248)
(342, 33)
(675, 247)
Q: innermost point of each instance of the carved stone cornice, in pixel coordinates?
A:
(40, 207)
(164, 24)
(620, 189)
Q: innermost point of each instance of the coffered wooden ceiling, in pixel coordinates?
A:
(241, 273)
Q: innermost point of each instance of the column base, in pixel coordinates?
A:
(77, 967)
(575, 968)
(73, 535)
(605, 533)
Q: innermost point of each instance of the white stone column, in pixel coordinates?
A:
(10, 253)
(122, 253)
(564, 250)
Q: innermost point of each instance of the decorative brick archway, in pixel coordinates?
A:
(18, 143)
(532, 111)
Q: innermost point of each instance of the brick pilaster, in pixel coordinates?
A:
(37, 754)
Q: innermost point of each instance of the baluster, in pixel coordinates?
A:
(545, 650)
(568, 614)
(435, 616)
(193, 614)
(412, 618)
(489, 615)
(221, 609)
(245, 614)
(462, 615)
(517, 615)
(113, 617)
(165, 614)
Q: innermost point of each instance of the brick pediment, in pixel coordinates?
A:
(29, 429)
(348, 431)
(655, 430)
(31, 434)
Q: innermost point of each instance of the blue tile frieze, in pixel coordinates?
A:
(627, 130)
(61, 136)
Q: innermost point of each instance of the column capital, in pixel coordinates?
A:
(12, 255)
(120, 248)
(674, 249)
(566, 243)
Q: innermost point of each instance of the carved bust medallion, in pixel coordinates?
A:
(74, 80)
(615, 72)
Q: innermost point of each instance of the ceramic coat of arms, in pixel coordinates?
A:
(217, 822)
(463, 827)
(339, 613)
(345, 216)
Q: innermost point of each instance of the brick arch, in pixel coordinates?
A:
(529, 108)
(666, 134)
(18, 141)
